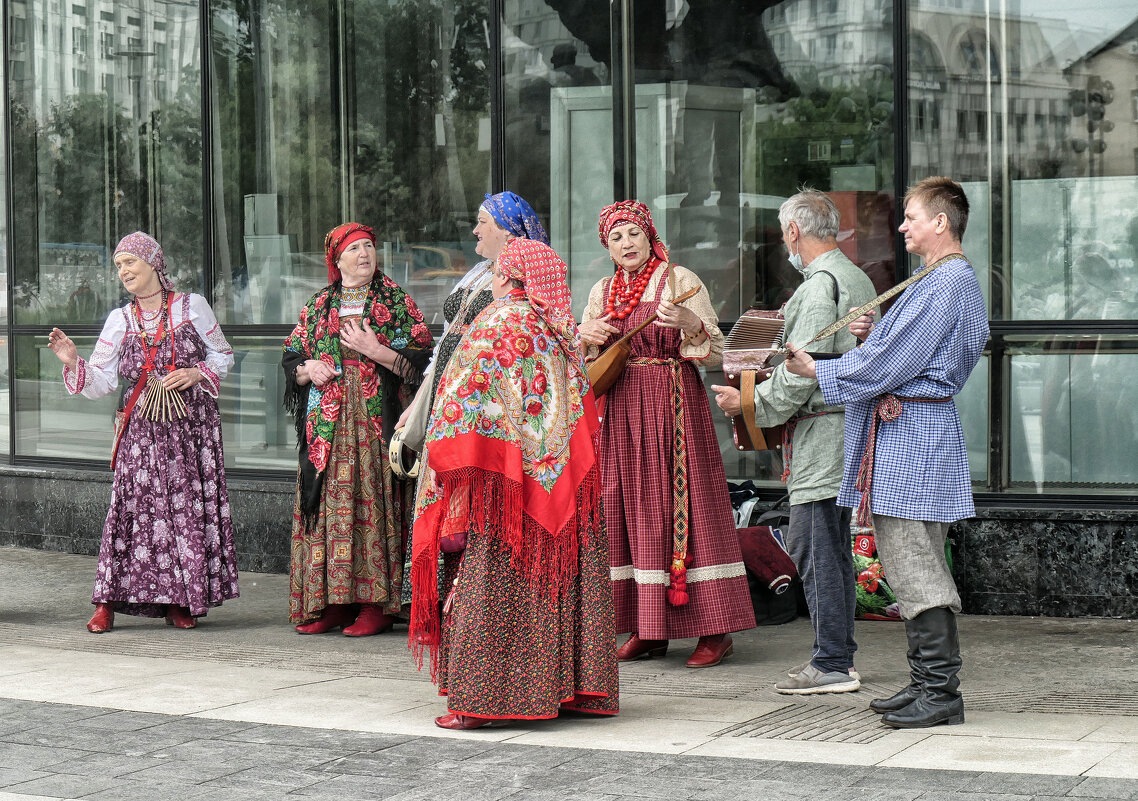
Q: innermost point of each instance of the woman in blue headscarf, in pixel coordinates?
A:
(501, 218)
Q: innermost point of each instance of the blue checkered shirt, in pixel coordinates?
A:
(925, 347)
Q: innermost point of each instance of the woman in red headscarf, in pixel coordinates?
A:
(352, 364)
(676, 566)
(509, 497)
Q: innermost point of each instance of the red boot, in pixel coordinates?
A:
(179, 617)
(332, 617)
(457, 722)
(370, 621)
(103, 619)
(637, 648)
(711, 650)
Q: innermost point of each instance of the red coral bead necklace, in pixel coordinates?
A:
(625, 296)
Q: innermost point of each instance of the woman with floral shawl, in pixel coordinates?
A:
(501, 218)
(510, 498)
(351, 363)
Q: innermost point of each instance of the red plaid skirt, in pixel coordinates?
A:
(637, 475)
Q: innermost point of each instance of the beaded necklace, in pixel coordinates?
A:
(159, 403)
(624, 296)
(160, 314)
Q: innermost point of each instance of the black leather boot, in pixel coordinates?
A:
(939, 701)
(910, 693)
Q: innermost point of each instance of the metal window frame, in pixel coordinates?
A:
(9, 222)
(992, 494)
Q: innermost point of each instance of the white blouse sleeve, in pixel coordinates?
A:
(594, 309)
(99, 375)
(709, 352)
(219, 356)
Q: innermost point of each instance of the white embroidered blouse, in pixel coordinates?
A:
(709, 352)
(99, 375)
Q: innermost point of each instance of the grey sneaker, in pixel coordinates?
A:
(794, 671)
(810, 680)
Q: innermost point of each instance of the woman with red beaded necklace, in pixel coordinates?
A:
(676, 567)
(167, 547)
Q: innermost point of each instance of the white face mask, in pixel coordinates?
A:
(796, 261)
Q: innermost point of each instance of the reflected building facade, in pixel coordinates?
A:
(240, 131)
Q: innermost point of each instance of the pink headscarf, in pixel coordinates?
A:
(146, 247)
(541, 270)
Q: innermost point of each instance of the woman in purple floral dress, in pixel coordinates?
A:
(167, 546)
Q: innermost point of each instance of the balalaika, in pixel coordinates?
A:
(747, 351)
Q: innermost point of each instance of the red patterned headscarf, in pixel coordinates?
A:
(631, 211)
(337, 242)
(543, 273)
(146, 247)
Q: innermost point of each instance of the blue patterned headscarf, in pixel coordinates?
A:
(516, 216)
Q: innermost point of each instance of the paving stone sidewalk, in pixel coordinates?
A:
(243, 708)
(59, 751)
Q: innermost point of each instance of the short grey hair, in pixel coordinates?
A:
(813, 212)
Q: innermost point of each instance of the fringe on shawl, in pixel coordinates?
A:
(487, 503)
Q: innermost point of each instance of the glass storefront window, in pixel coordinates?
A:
(1074, 243)
(558, 106)
(737, 107)
(1031, 106)
(1072, 415)
(258, 435)
(375, 112)
(49, 422)
(100, 151)
(4, 377)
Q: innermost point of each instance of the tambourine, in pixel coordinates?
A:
(396, 452)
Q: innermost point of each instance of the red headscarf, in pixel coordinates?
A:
(541, 270)
(337, 242)
(631, 211)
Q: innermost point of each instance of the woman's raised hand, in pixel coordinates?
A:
(598, 331)
(63, 348)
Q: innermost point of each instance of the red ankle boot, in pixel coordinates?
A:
(711, 650)
(103, 620)
(370, 621)
(333, 616)
(179, 617)
(452, 720)
(637, 648)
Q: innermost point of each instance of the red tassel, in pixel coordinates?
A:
(678, 592)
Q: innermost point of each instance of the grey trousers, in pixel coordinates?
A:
(912, 556)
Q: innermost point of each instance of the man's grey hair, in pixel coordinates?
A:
(813, 212)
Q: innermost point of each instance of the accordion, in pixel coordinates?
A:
(747, 351)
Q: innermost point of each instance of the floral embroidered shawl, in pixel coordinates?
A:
(510, 454)
(397, 322)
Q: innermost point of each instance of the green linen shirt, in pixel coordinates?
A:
(816, 463)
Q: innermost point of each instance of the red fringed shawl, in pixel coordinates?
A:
(510, 454)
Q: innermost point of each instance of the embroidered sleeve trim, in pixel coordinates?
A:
(217, 339)
(75, 379)
(211, 384)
